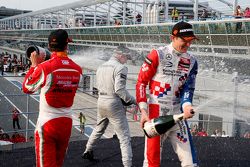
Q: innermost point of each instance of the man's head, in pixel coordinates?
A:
(123, 53)
(58, 40)
(182, 36)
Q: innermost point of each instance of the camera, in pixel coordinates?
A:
(40, 51)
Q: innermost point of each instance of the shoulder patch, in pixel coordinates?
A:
(123, 76)
(148, 61)
(160, 53)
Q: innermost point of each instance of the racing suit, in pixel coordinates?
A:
(57, 80)
(111, 84)
(171, 78)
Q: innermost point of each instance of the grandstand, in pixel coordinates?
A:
(105, 12)
(7, 12)
(222, 51)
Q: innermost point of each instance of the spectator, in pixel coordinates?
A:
(31, 139)
(224, 134)
(82, 120)
(194, 130)
(1, 130)
(2, 65)
(213, 15)
(117, 22)
(82, 23)
(247, 135)
(138, 18)
(13, 137)
(238, 15)
(18, 138)
(60, 25)
(57, 79)
(247, 13)
(15, 118)
(111, 80)
(15, 70)
(204, 15)
(5, 137)
(182, 15)
(216, 133)
(202, 133)
(170, 72)
(213, 134)
(175, 15)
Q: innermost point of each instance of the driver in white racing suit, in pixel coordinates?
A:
(170, 72)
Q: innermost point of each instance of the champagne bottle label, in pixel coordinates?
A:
(161, 125)
(149, 129)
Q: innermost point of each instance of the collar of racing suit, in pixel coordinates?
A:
(174, 51)
(59, 54)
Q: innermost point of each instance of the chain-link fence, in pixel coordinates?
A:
(220, 101)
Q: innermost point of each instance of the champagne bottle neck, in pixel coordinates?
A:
(178, 117)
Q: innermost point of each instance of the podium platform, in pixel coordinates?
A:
(212, 152)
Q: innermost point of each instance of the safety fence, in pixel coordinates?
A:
(220, 101)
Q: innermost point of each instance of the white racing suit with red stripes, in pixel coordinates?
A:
(171, 78)
(57, 80)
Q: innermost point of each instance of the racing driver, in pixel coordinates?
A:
(170, 72)
(57, 80)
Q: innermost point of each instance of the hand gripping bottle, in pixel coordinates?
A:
(40, 51)
(160, 125)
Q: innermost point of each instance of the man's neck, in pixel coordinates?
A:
(176, 51)
(61, 54)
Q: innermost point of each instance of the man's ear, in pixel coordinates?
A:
(119, 56)
(48, 46)
(66, 47)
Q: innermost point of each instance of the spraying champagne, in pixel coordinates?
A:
(162, 124)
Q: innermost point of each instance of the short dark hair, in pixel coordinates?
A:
(58, 40)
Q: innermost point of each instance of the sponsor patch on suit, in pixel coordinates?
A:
(123, 76)
(184, 64)
(148, 61)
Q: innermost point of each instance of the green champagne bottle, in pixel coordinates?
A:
(160, 125)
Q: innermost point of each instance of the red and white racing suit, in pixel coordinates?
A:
(171, 78)
(57, 79)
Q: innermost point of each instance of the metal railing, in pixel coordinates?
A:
(220, 103)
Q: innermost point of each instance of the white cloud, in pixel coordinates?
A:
(33, 4)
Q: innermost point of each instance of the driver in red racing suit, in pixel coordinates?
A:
(170, 72)
(57, 80)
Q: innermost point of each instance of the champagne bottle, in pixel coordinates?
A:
(160, 125)
(40, 52)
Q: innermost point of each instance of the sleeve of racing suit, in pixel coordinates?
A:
(147, 71)
(33, 80)
(189, 86)
(120, 86)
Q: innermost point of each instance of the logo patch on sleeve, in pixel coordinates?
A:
(148, 61)
(123, 76)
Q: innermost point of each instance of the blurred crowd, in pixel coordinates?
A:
(200, 131)
(16, 137)
(12, 63)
